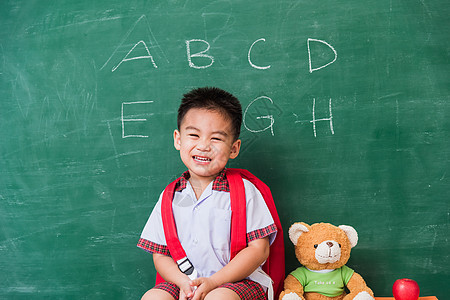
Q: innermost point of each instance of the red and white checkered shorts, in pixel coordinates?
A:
(246, 289)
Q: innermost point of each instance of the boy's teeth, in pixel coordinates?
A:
(201, 158)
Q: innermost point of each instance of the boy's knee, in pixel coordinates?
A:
(147, 296)
(222, 294)
(156, 294)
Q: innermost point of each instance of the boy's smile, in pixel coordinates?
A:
(206, 143)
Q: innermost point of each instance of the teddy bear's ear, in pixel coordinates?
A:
(351, 234)
(296, 231)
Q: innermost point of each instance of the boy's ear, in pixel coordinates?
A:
(235, 149)
(176, 139)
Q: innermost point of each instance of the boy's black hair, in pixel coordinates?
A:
(212, 98)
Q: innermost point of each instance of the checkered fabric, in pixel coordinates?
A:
(220, 182)
(261, 233)
(153, 247)
(246, 289)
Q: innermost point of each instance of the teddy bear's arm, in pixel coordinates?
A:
(356, 285)
(292, 285)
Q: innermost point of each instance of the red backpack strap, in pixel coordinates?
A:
(274, 265)
(170, 231)
(238, 216)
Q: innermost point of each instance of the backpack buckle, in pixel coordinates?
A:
(186, 266)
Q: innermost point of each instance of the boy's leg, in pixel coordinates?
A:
(222, 293)
(156, 294)
(241, 290)
(162, 291)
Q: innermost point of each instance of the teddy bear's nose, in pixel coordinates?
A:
(330, 244)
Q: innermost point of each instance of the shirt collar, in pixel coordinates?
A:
(220, 183)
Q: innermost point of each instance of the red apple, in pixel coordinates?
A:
(405, 289)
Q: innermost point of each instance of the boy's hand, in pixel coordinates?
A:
(186, 291)
(203, 286)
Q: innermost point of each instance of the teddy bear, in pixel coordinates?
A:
(323, 249)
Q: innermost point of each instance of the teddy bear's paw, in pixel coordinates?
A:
(363, 296)
(291, 296)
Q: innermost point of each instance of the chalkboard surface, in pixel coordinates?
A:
(347, 119)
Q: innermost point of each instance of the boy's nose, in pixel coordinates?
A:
(203, 144)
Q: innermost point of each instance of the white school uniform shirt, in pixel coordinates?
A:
(203, 225)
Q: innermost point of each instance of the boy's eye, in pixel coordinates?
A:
(193, 135)
(216, 139)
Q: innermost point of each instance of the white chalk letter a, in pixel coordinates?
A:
(127, 58)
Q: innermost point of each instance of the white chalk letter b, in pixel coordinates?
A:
(199, 54)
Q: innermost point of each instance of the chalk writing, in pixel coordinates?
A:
(264, 117)
(314, 120)
(127, 58)
(311, 69)
(249, 59)
(204, 54)
(194, 59)
(199, 54)
(154, 45)
(122, 118)
(258, 115)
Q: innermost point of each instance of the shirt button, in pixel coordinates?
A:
(197, 208)
(195, 241)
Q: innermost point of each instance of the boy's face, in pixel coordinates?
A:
(206, 143)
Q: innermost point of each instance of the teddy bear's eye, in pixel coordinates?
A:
(340, 246)
(315, 246)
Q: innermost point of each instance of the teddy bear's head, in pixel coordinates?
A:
(322, 246)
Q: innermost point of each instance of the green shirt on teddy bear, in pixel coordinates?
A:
(329, 284)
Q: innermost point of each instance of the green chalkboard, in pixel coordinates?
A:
(347, 119)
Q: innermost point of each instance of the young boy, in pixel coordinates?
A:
(209, 122)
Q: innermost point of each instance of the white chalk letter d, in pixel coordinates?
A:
(311, 69)
(199, 54)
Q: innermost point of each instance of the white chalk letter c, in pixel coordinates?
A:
(249, 59)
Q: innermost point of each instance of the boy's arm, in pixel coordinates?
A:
(168, 269)
(240, 267)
